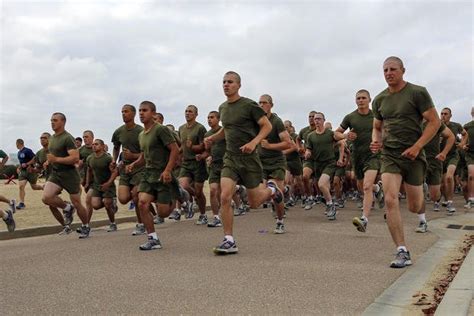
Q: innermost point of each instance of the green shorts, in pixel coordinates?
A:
(412, 171)
(295, 167)
(452, 159)
(274, 168)
(196, 170)
(242, 168)
(215, 170)
(340, 172)
(324, 167)
(308, 164)
(28, 176)
(434, 171)
(164, 193)
(469, 157)
(364, 163)
(68, 179)
(130, 179)
(110, 193)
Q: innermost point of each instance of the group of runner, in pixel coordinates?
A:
(255, 158)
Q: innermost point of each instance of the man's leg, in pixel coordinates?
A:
(108, 203)
(470, 185)
(416, 204)
(449, 188)
(81, 210)
(200, 197)
(368, 187)
(215, 191)
(391, 183)
(51, 198)
(144, 203)
(21, 187)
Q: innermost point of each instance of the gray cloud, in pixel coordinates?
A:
(88, 58)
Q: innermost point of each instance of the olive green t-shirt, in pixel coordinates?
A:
(100, 168)
(401, 113)
(218, 147)
(304, 133)
(2, 154)
(273, 138)
(362, 125)
(433, 148)
(456, 128)
(40, 159)
(84, 152)
(59, 146)
(127, 138)
(153, 144)
(321, 145)
(469, 127)
(294, 154)
(240, 122)
(195, 133)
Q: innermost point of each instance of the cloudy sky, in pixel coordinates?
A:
(88, 58)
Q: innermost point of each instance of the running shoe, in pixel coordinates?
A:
(85, 232)
(158, 220)
(279, 229)
(422, 227)
(9, 221)
(331, 211)
(239, 211)
(450, 208)
(469, 204)
(436, 207)
(380, 196)
(191, 209)
(151, 244)
(202, 220)
(13, 205)
(444, 203)
(226, 247)
(20, 206)
(175, 215)
(308, 204)
(277, 197)
(68, 215)
(340, 203)
(360, 223)
(402, 259)
(112, 228)
(139, 230)
(216, 222)
(131, 206)
(66, 231)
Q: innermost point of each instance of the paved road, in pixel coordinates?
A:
(318, 267)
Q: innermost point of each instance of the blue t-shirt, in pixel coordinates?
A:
(25, 155)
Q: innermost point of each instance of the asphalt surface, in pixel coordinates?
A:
(317, 267)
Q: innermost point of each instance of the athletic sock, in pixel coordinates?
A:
(68, 207)
(216, 216)
(364, 218)
(422, 218)
(400, 248)
(377, 188)
(279, 221)
(272, 189)
(153, 235)
(229, 238)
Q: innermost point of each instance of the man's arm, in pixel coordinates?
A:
(174, 152)
(71, 159)
(449, 136)
(285, 142)
(376, 143)
(116, 153)
(265, 129)
(214, 138)
(432, 126)
(4, 161)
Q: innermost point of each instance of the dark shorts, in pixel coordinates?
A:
(130, 179)
(164, 193)
(469, 156)
(324, 167)
(434, 171)
(412, 171)
(244, 169)
(295, 167)
(28, 176)
(196, 170)
(274, 168)
(364, 163)
(215, 170)
(68, 179)
(110, 193)
(451, 159)
(340, 172)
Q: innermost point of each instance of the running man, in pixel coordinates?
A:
(451, 162)
(100, 182)
(25, 171)
(309, 200)
(468, 146)
(126, 137)
(193, 172)
(245, 125)
(366, 163)
(159, 153)
(320, 152)
(272, 157)
(398, 112)
(63, 156)
(84, 152)
(294, 167)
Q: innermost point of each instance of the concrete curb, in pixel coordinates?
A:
(457, 299)
(397, 299)
(54, 229)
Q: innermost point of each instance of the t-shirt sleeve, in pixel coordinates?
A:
(423, 100)
(115, 138)
(2, 154)
(201, 134)
(375, 109)
(309, 144)
(256, 112)
(280, 127)
(345, 124)
(165, 135)
(69, 143)
(88, 161)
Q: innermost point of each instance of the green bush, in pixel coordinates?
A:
(8, 171)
